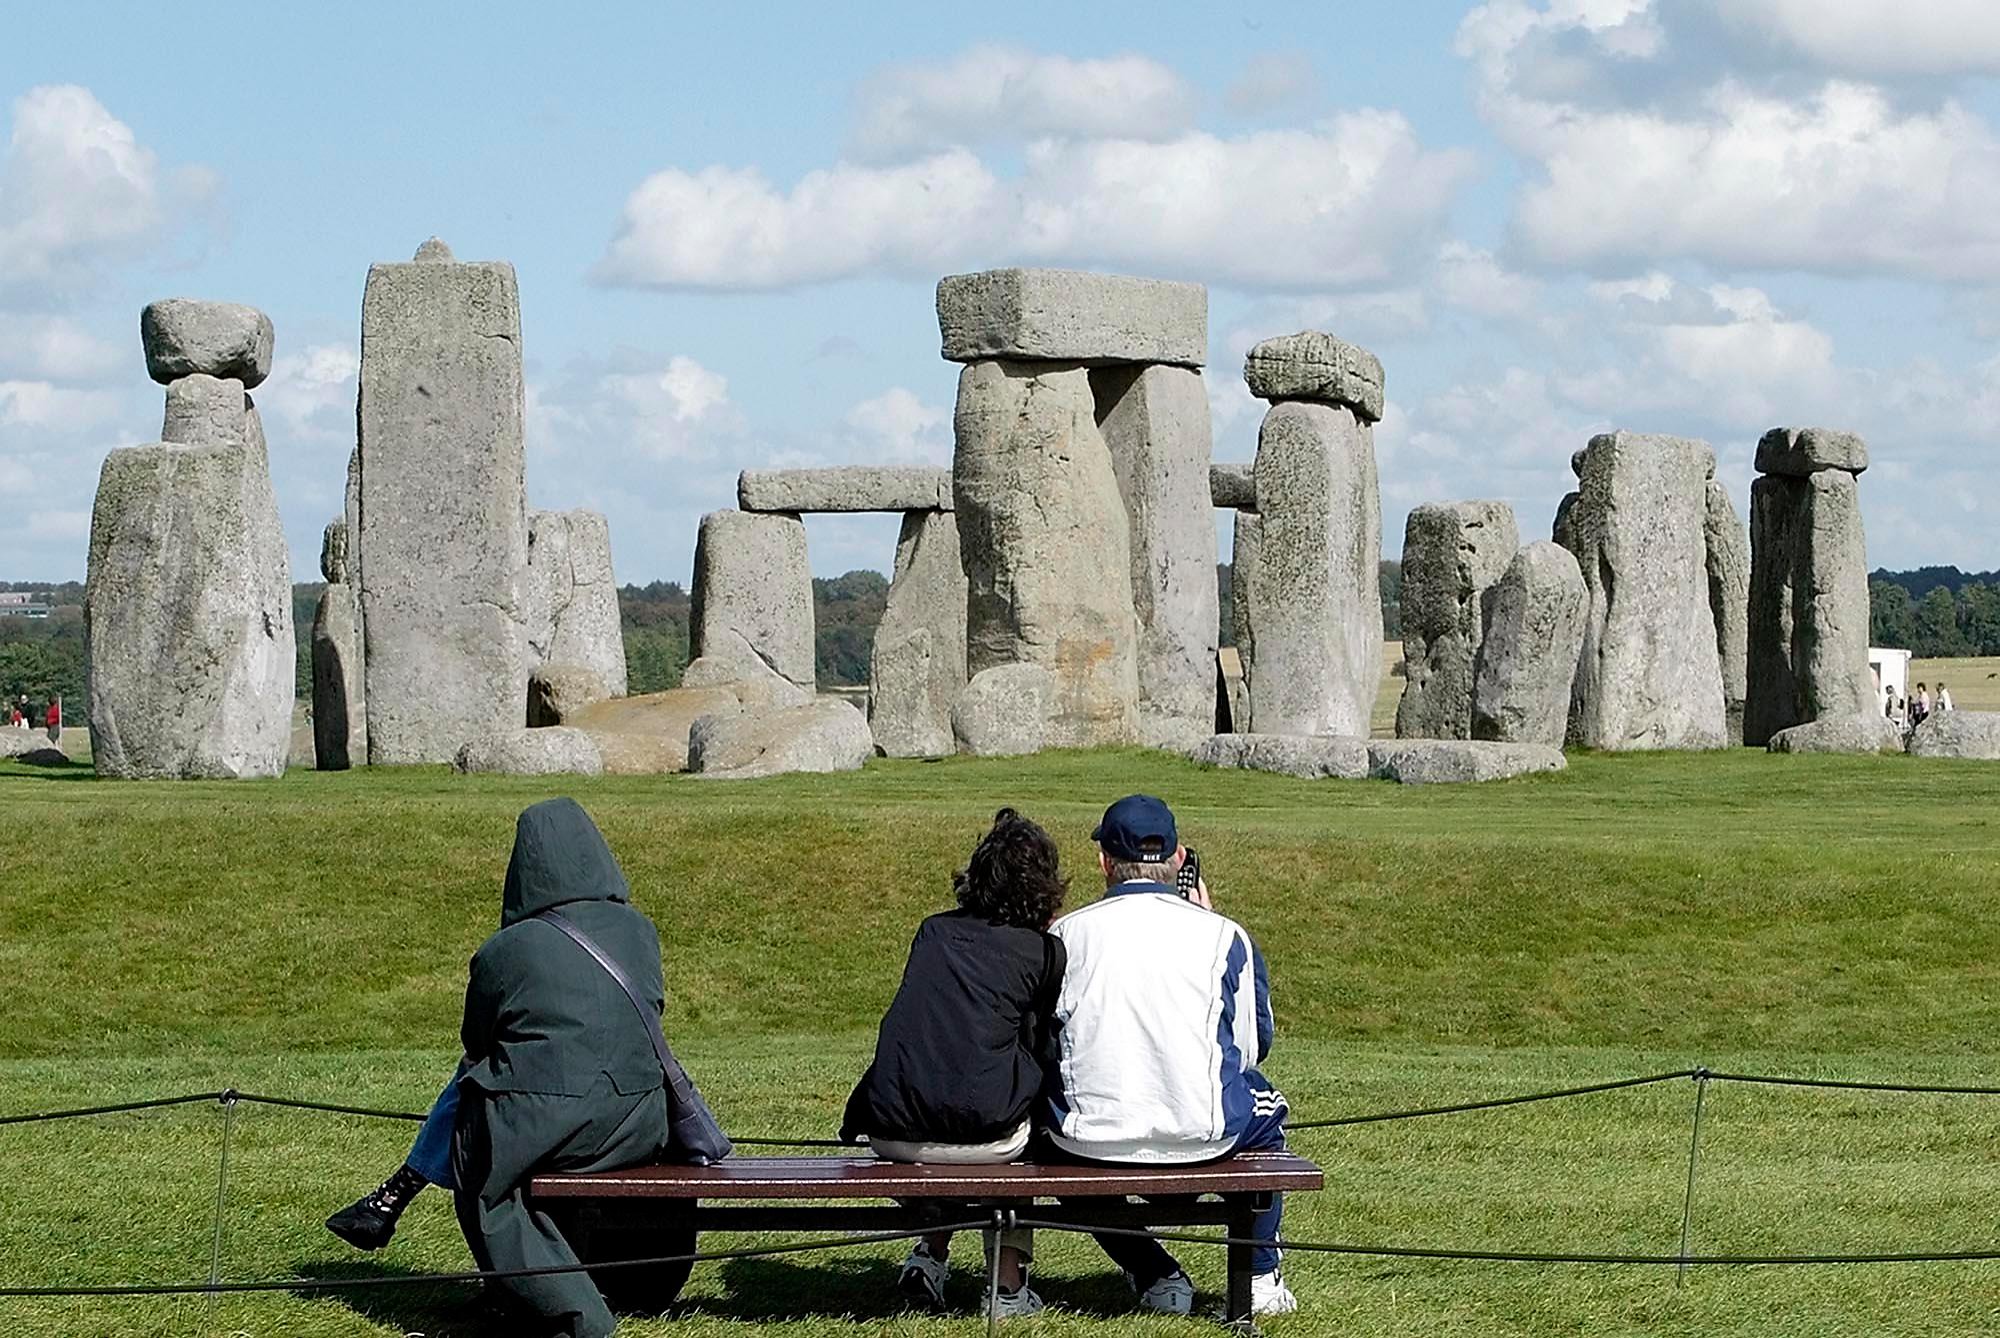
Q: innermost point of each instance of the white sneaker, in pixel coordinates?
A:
(1270, 1296)
(1171, 1295)
(923, 1277)
(1016, 1304)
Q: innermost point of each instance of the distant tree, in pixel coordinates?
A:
(654, 657)
(846, 611)
(1937, 633)
(1892, 615)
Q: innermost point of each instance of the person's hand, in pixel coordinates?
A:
(1199, 896)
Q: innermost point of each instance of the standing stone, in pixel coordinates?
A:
(917, 669)
(1155, 424)
(1729, 601)
(1650, 675)
(1245, 541)
(1527, 660)
(442, 526)
(185, 337)
(752, 605)
(1808, 634)
(206, 409)
(1315, 603)
(1045, 542)
(339, 702)
(1453, 553)
(573, 597)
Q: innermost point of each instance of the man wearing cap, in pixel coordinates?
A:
(1164, 1014)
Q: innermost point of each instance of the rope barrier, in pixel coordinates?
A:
(1844, 1085)
(1492, 1104)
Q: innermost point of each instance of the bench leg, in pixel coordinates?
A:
(1242, 1225)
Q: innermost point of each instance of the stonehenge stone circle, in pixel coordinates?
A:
(1535, 616)
(442, 537)
(1155, 423)
(1007, 711)
(824, 735)
(1067, 316)
(1970, 734)
(752, 602)
(1650, 675)
(185, 337)
(1808, 607)
(1458, 761)
(531, 752)
(844, 488)
(1729, 602)
(1861, 732)
(557, 693)
(1316, 367)
(1315, 758)
(1453, 553)
(917, 669)
(1232, 486)
(572, 597)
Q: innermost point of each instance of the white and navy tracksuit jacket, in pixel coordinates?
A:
(1163, 1016)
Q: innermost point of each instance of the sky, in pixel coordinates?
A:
(1549, 218)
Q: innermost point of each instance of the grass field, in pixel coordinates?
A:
(1974, 683)
(308, 937)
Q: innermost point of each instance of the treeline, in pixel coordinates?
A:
(1935, 612)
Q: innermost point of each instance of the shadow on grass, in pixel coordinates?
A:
(440, 1309)
(48, 771)
(828, 1286)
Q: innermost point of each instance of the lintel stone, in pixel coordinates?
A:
(1059, 315)
(844, 488)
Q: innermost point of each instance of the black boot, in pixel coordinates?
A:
(369, 1222)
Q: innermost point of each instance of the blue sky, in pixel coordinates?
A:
(1548, 217)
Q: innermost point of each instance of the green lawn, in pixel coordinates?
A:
(1635, 914)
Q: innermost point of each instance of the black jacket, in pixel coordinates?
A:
(961, 1051)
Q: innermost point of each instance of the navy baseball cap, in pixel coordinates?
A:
(1138, 829)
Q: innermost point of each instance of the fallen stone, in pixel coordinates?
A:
(186, 337)
(1308, 758)
(572, 597)
(1799, 451)
(734, 666)
(1045, 541)
(753, 592)
(1232, 486)
(22, 744)
(1315, 601)
(340, 704)
(1006, 711)
(1060, 315)
(1728, 548)
(531, 752)
(1453, 553)
(1155, 424)
(203, 409)
(844, 488)
(1316, 367)
(917, 668)
(557, 692)
(1535, 615)
(647, 735)
(1969, 734)
(1862, 732)
(826, 735)
(1808, 605)
(1458, 761)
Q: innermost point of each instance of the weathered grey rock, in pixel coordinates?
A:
(1155, 424)
(1560, 530)
(1453, 553)
(1006, 711)
(434, 252)
(732, 664)
(1576, 462)
(1535, 616)
(1232, 693)
(531, 752)
(1808, 637)
(1233, 486)
(184, 337)
(340, 703)
(917, 668)
(826, 735)
(1799, 451)
(572, 597)
(333, 553)
(1060, 315)
(23, 744)
(1649, 676)
(844, 488)
(1458, 761)
(1245, 542)
(1308, 758)
(441, 527)
(753, 591)
(1315, 601)
(1319, 368)
(1046, 544)
(647, 735)
(188, 615)
(1728, 547)
(206, 409)
(1861, 732)
(1969, 734)
(558, 692)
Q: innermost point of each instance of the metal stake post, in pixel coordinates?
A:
(1694, 1157)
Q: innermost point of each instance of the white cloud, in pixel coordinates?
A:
(896, 427)
(1007, 94)
(1867, 37)
(309, 395)
(54, 348)
(40, 404)
(1473, 280)
(678, 411)
(1272, 81)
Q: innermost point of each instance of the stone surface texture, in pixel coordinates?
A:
(1649, 675)
(557, 692)
(844, 488)
(825, 735)
(185, 337)
(753, 593)
(1458, 761)
(1535, 616)
(1317, 367)
(1308, 758)
(207, 410)
(1453, 553)
(1046, 546)
(441, 532)
(648, 735)
(1799, 451)
(572, 597)
(23, 744)
(917, 668)
(1970, 734)
(334, 567)
(1728, 550)
(1860, 732)
(531, 752)
(339, 700)
(1245, 543)
(733, 665)
(1059, 315)
(1233, 486)
(1154, 421)
(1808, 607)
(1006, 711)
(1315, 601)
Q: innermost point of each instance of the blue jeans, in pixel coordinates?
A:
(430, 1154)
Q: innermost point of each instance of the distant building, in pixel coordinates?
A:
(21, 604)
(1891, 669)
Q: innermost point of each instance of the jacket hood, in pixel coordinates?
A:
(559, 857)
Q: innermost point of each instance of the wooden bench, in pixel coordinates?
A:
(649, 1211)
